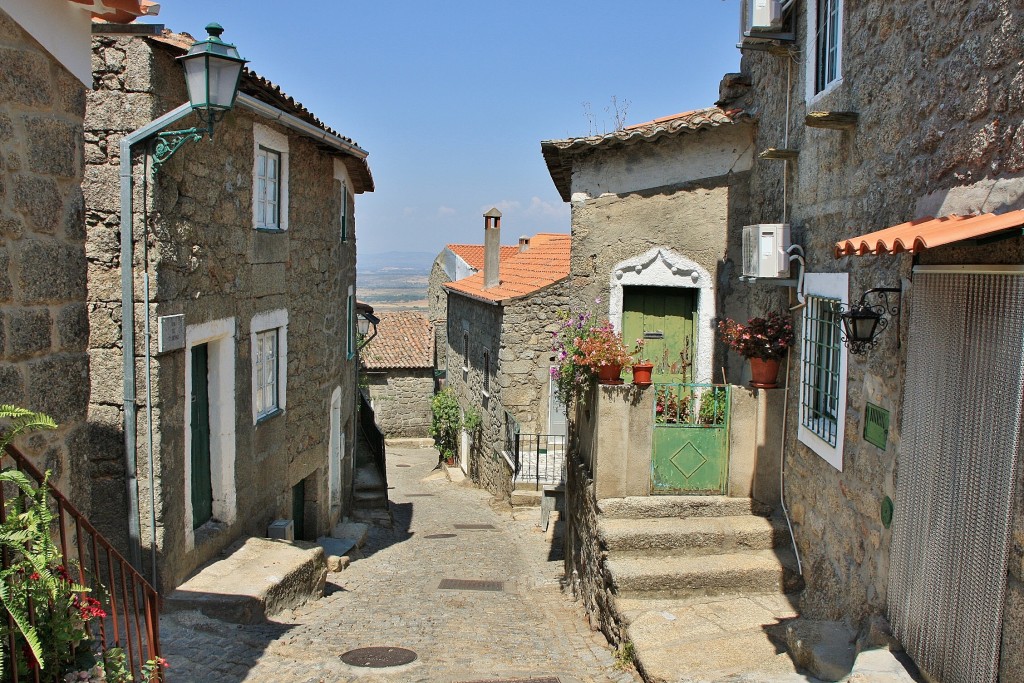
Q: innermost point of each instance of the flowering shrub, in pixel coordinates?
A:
(768, 338)
(603, 347)
(571, 375)
(638, 352)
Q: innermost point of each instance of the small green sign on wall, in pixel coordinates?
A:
(876, 425)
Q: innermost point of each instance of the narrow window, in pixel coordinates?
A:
(268, 189)
(265, 363)
(344, 212)
(487, 373)
(828, 39)
(465, 352)
(350, 323)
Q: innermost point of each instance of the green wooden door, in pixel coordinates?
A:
(299, 509)
(664, 318)
(202, 481)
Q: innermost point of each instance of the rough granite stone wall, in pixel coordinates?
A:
(941, 103)
(482, 322)
(207, 262)
(525, 358)
(401, 400)
(44, 324)
(437, 310)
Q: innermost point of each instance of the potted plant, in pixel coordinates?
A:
(642, 367)
(763, 341)
(604, 353)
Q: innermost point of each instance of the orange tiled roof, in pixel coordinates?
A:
(120, 11)
(558, 153)
(473, 254)
(524, 272)
(404, 339)
(924, 233)
(271, 93)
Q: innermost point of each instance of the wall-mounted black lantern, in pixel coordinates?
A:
(863, 323)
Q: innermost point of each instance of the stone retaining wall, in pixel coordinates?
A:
(401, 400)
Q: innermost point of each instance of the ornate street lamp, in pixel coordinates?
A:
(363, 322)
(213, 69)
(862, 323)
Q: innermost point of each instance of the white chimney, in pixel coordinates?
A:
(492, 247)
(524, 243)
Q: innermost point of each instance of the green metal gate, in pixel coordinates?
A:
(691, 439)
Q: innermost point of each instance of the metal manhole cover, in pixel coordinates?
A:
(545, 679)
(441, 536)
(378, 657)
(471, 585)
(473, 526)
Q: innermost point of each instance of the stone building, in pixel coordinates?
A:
(456, 261)
(896, 114)
(398, 366)
(44, 324)
(500, 326)
(651, 207)
(245, 244)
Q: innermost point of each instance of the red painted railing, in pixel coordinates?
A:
(131, 603)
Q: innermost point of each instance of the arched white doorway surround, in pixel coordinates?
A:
(662, 267)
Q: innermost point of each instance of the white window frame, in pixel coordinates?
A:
(831, 286)
(811, 50)
(350, 323)
(265, 138)
(344, 218)
(219, 335)
(261, 323)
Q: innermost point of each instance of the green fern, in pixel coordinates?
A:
(22, 421)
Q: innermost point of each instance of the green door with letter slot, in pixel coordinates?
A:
(664, 318)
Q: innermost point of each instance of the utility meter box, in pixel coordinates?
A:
(283, 529)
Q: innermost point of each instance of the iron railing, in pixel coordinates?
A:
(131, 603)
(540, 459)
(373, 436)
(511, 444)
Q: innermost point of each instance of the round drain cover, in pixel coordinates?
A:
(378, 657)
(440, 536)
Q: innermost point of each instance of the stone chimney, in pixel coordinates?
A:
(492, 247)
(524, 243)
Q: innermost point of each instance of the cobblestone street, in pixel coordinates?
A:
(390, 597)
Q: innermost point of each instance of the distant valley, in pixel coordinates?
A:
(395, 280)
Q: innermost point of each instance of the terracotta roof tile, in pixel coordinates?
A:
(473, 254)
(405, 339)
(924, 233)
(263, 89)
(558, 153)
(523, 272)
(120, 11)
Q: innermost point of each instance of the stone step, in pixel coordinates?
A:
(256, 578)
(645, 507)
(694, 535)
(367, 478)
(377, 516)
(750, 572)
(367, 500)
(882, 666)
(526, 498)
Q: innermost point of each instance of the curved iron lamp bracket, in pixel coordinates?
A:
(167, 143)
(865, 311)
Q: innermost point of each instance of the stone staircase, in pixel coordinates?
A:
(369, 490)
(703, 586)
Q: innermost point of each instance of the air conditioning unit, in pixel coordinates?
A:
(764, 250)
(764, 20)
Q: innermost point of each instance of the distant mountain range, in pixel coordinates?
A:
(412, 262)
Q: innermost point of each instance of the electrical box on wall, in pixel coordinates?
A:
(765, 248)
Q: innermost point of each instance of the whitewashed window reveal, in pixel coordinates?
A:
(823, 367)
(825, 45)
(270, 179)
(269, 334)
(341, 175)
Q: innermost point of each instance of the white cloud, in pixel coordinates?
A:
(505, 206)
(539, 207)
(408, 211)
(443, 211)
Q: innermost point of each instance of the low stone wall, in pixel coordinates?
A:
(401, 400)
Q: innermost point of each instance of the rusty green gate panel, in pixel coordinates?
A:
(691, 439)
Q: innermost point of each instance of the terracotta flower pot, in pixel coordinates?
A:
(609, 374)
(764, 373)
(642, 374)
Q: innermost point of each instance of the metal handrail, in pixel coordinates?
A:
(546, 452)
(136, 630)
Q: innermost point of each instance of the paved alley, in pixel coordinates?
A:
(390, 597)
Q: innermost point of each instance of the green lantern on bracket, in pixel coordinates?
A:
(213, 69)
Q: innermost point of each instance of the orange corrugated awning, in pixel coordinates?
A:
(925, 233)
(120, 11)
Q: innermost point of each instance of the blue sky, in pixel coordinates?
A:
(452, 99)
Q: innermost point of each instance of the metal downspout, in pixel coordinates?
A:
(128, 324)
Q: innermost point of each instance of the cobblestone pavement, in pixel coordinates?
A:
(390, 597)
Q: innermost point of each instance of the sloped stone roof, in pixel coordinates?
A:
(473, 254)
